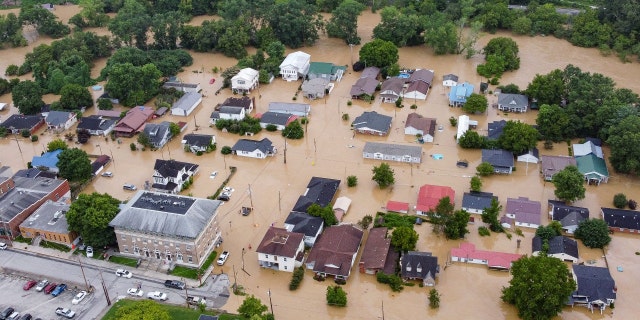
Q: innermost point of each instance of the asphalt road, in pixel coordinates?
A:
(17, 267)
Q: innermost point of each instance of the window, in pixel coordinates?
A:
(188, 248)
(285, 267)
(190, 259)
(126, 248)
(285, 259)
(266, 256)
(124, 237)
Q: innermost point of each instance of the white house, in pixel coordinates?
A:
(532, 156)
(253, 148)
(463, 125)
(392, 152)
(169, 175)
(198, 142)
(280, 120)
(60, 120)
(281, 250)
(391, 89)
(295, 66)
(311, 227)
(419, 125)
(181, 86)
(186, 104)
(449, 80)
(245, 81)
(228, 113)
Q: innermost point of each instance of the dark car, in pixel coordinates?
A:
(6, 312)
(26, 316)
(224, 197)
(174, 284)
(59, 289)
(29, 284)
(49, 288)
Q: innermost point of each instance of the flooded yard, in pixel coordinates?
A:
(272, 187)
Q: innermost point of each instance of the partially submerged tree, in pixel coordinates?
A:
(383, 175)
(74, 165)
(490, 216)
(379, 53)
(252, 306)
(594, 233)
(569, 183)
(404, 238)
(336, 296)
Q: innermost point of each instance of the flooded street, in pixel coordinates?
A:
(467, 291)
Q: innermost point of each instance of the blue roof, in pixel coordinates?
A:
(461, 92)
(48, 159)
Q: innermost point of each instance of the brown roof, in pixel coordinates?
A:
(135, 118)
(554, 164)
(334, 250)
(427, 125)
(422, 75)
(394, 84)
(280, 242)
(376, 249)
(244, 102)
(364, 86)
(419, 86)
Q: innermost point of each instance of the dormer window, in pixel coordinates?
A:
(408, 267)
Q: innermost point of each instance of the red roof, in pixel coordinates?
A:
(430, 195)
(397, 206)
(494, 259)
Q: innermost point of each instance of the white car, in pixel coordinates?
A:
(213, 175)
(157, 295)
(67, 313)
(107, 174)
(79, 297)
(135, 292)
(223, 257)
(89, 251)
(228, 189)
(124, 273)
(40, 286)
(3, 246)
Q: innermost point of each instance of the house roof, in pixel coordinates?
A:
(525, 210)
(495, 129)
(591, 165)
(557, 245)
(370, 72)
(477, 200)
(620, 218)
(304, 223)
(178, 85)
(94, 123)
(244, 102)
(187, 101)
(342, 203)
(461, 92)
(19, 122)
(568, 215)
(297, 59)
(498, 157)
(513, 100)
(376, 249)
(429, 196)
(324, 68)
(494, 259)
(391, 149)
(595, 283)
(450, 76)
(334, 251)
(315, 85)
(320, 191)
(172, 168)
(397, 206)
(108, 114)
(365, 85)
(280, 242)
(288, 107)
(166, 214)
(100, 162)
(416, 121)
(417, 86)
(50, 217)
(56, 118)
(393, 84)
(277, 118)
(372, 120)
(230, 110)
(47, 159)
(532, 154)
(27, 192)
(265, 145)
(157, 131)
(554, 164)
(134, 119)
(422, 264)
(198, 140)
(597, 142)
(422, 75)
(247, 74)
(587, 148)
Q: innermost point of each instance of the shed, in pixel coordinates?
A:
(341, 206)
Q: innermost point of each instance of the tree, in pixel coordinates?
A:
(434, 299)
(476, 183)
(326, 213)
(569, 183)
(105, 104)
(144, 140)
(594, 233)
(404, 238)
(226, 150)
(294, 22)
(476, 103)
(352, 181)
(57, 144)
(75, 96)
(440, 215)
(293, 130)
(365, 222)
(133, 85)
(379, 53)
(624, 138)
(142, 310)
(472, 140)
(174, 129)
(490, 216)
(90, 214)
(484, 169)
(336, 296)
(27, 97)
(518, 137)
(383, 175)
(403, 29)
(343, 23)
(547, 89)
(620, 200)
(554, 123)
(539, 287)
(442, 36)
(501, 54)
(131, 24)
(74, 165)
(547, 232)
(456, 225)
(252, 306)
(545, 19)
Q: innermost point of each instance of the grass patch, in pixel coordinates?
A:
(54, 245)
(175, 312)
(393, 220)
(129, 262)
(23, 239)
(192, 273)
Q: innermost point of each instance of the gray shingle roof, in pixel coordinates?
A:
(620, 218)
(372, 120)
(198, 140)
(56, 118)
(320, 191)
(595, 283)
(157, 131)
(513, 100)
(155, 218)
(187, 101)
(557, 245)
(498, 157)
(393, 149)
(423, 260)
(450, 76)
(171, 168)
(304, 223)
(495, 129)
(275, 118)
(477, 200)
(568, 215)
(19, 122)
(95, 123)
(265, 145)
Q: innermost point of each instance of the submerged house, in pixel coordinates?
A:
(392, 152)
(295, 66)
(596, 287)
(335, 251)
(281, 250)
(422, 266)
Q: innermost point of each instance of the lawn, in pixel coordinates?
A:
(176, 312)
(192, 273)
(54, 245)
(129, 262)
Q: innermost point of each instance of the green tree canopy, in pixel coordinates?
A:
(326, 213)
(336, 296)
(547, 232)
(383, 175)
(142, 310)
(252, 306)
(343, 23)
(74, 97)
(620, 200)
(133, 85)
(131, 24)
(293, 130)
(547, 89)
(490, 216)
(569, 183)
(476, 103)
(295, 22)
(624, 139)
(27, 97)
(475, 183)
(90, 214)
(472, 140)
(501, 54)
(401, 28)
(539, 287)
(441, 214)
(379, 53)
(404, 238)
(554, 123)
(74, 165)
(518, 137)
(484, 169)
(456, 226)
(56, 144)
(594, 233)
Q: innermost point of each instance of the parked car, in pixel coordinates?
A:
(224, 197)
(26, 316)
(196, 301)
(228, 189)
(107, 174)
(50, 287)
(130, 187)
(3, 246)
(157, 295)
(14, 316)
(29, 285)
(59, 289)
(89, 252)
(418, 221)
(213, 174)
(124, 273)
(40, 286)
(212, 80)
(174, 284)
(79, 297)
(223, 257)
(135, 292)
(67, 313)
(6, 313)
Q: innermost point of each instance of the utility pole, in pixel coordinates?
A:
(382, 309)
(243, 259)
(279, 202)
(83, 275)
(251, 201)
(271, 304)
(285, 149)
(186, 292)
(19, 149)
(104, 288)
(351, 50)
(112, 158)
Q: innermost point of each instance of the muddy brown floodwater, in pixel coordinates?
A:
(467, 291)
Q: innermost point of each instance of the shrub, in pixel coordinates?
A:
(25, 133)
(12, 70)
(548, 145)
(434, 299)
(34, 138)
(453, 121)
(105, 104)
(345, 116)
(352, 181)
(304, 120)
(225, 150)
(484, 231)
(133, 146)
(394, 281)
(414, 106)
(518, 232)
(620, 201)
(349, 102)
(296, 278)
(365, 222)
(632, 204)
(336, 296)
(271, 127)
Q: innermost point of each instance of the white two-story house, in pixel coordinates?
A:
(169, 176)
(281, 250)
(245, 81)
(295, 66)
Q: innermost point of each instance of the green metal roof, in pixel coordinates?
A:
(324, 68)
(592, 164)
